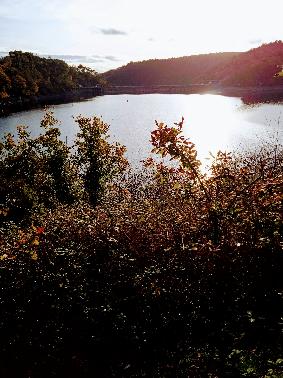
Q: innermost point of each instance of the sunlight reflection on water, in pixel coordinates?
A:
(212, 122)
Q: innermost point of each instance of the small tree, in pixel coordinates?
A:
(35, 173)
(99, 161)
(239, 202)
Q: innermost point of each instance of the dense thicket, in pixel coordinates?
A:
(24, 74)
(170, 272)
(256, 67)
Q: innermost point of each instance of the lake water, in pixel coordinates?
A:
(212, 122)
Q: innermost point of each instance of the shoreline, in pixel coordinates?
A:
(236, 91)
(249, 95)
(34, 102)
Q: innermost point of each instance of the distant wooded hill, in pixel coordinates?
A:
(23, 74)
(256, 67)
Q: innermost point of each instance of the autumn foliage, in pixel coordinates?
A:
(23, 74)
(168, 271)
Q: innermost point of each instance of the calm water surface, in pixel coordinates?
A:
(212, 122)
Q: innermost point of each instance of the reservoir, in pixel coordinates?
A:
(212, 122)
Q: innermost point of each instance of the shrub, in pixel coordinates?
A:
(99, 161)
(40, 173)
(173, 272)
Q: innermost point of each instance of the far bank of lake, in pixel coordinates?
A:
(14, 105)
(249, 95)
(254, 94)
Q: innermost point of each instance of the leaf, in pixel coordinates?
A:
(40, 230)
(177, 185)
(35, 242)
(34, 256)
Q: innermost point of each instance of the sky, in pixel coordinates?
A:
(105, 34)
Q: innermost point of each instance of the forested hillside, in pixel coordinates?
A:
(255, 67)
(184, 70)
(23, 74)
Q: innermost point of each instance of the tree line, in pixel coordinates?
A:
(23, 74)
(257, 67)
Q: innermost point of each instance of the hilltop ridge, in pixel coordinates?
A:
(256, 67)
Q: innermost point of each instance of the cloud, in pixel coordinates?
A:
(75, 59)
(86, 59)
(112, 31)
(82, 59)
(112, 58)
(255, 41)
